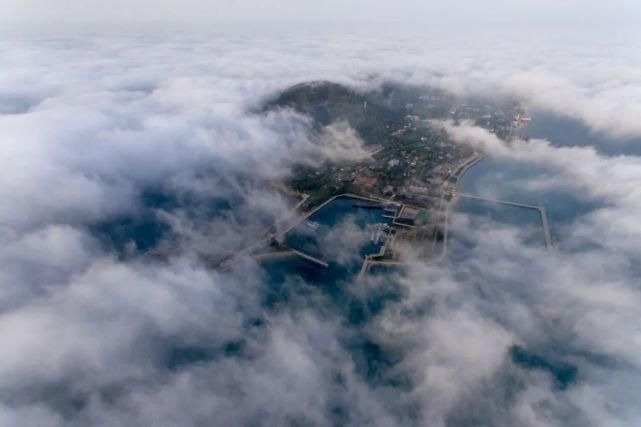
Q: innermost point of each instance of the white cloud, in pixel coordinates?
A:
(88, 124)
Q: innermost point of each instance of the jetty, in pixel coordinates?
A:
(538, 208)
(306, 257)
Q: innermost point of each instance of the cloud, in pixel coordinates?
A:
(581, 169)
(571, 298)
(91, 127)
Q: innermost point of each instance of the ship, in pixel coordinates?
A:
(380, 234)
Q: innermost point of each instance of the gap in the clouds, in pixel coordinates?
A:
(523, 182)
(339, 233)
(294, 284)
(131, 234)
(16, 104)
(149, 229)
(492, 215)
(183, 356)
(568, 132)
(564, 374)
(299, 282)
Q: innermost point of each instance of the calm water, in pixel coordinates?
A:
(567, 132)
(340, 237)
(340, 212)
(512, 180)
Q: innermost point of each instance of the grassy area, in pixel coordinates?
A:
(317, 197)
(423, 218)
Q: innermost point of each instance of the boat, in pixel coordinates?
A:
(380, 234)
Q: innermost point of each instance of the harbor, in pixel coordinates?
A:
(312, 238)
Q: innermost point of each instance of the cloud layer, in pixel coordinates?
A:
(508, 334)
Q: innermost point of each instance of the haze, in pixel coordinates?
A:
(456, 12)
(157, 155)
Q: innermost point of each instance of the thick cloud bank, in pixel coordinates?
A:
(102, 138)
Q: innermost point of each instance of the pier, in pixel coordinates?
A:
(540, 209)
(368, 264)
(546, 226)
(501, 202)
(306, 257)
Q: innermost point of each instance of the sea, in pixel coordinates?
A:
(510, 180)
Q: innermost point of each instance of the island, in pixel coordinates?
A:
(410, 173)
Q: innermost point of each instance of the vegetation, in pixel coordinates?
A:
(411, 158)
